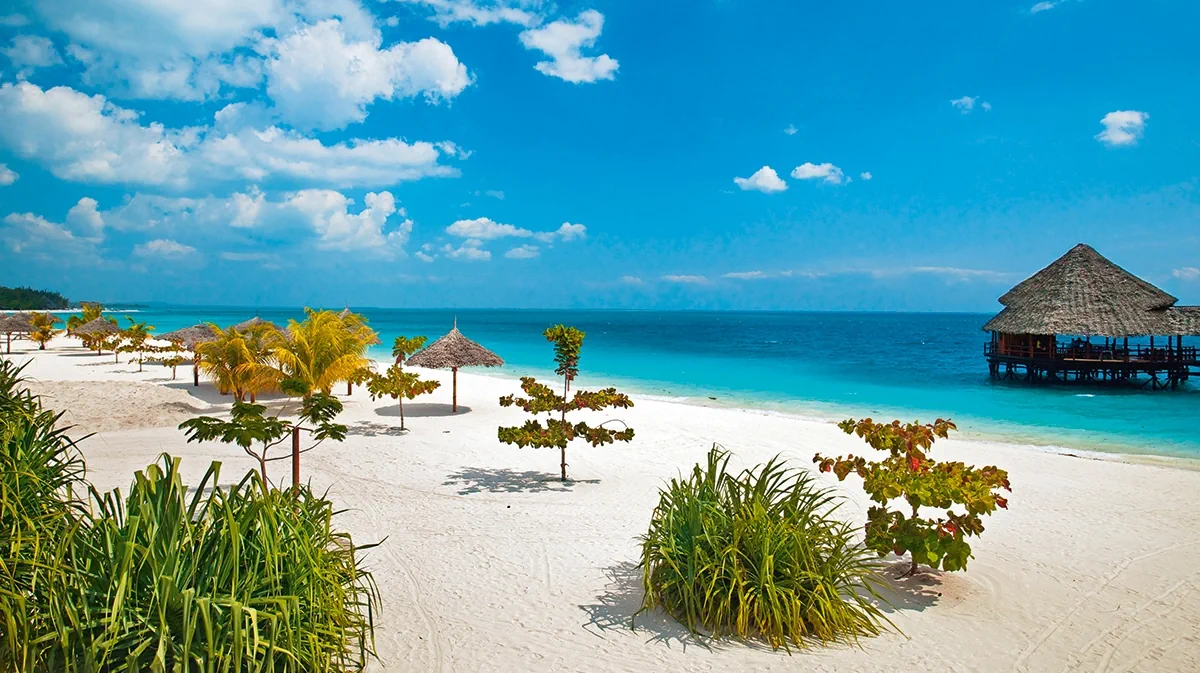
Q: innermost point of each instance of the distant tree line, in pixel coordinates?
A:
(29, 299)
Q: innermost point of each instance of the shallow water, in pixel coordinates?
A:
(885, 365)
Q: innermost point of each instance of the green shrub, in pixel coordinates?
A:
(230, 579)
(758, 555)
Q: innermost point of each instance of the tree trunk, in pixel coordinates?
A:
(262, 466)
(41, 345)
(296, 458)
(253, 397)
(195, 372)
(172, 372)
(117, 357)
(566, 384)
(8, 346)
(349, 388)
(141, 358)
(454, 395)
(401, 401)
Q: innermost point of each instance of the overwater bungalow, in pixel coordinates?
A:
(1053, 322)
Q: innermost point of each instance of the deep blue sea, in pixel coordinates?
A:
(829, 365)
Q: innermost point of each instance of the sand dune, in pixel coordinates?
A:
(491, 564)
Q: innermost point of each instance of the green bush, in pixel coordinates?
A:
(758, 555)
(240, 578)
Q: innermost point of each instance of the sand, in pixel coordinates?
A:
(491, 564)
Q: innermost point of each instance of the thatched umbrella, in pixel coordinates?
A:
(253, 322)
(451, 352)
(14, 323)
(100, 327)
(190, 338)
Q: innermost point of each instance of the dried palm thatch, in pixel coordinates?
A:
(252, 323)
(190, 337)
(14, 323)
(97, 327)
(452, 352)
(1083, 293)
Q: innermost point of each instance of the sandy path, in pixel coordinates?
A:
(491, 564)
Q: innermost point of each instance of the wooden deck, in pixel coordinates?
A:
(1143, 366)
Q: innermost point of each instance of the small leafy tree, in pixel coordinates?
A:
(43, 328)
(135, 338)
(89, 311)
(250, 428)
(557, 432)
(111, 342)
(397, 383)
(907, 472)
(173, 358)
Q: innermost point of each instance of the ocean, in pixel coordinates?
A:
(912, 366)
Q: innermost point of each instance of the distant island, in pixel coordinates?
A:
(29, 299)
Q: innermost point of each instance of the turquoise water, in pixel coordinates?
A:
(830, 365)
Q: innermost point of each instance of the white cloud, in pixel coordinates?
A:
(1122, 128)
(321, 79)
(247, 208)
(446, 12)
(163, 248)
(1046, 5)
(29, 52)
(790, 130)
(486, 229)
(328, 212)
(89, 139)
(686, 280)
(79, 234)
(966, 104)
(631, 280)
(566, 232)
(469, 251)
(764, 180)
(85, 219)
(1187, 273)
(745, 275)
(953, 274)
(827, 172)
(424, 256)
(563, 41)
(865, 175)
(7, 176)
(525, 251)
(13, 20)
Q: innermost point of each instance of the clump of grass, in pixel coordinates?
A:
(759, 555)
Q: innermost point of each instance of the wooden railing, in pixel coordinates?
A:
(1095, 353)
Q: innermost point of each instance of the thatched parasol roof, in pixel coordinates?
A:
(453, 351)
(190, 337)
(15, 322)
(98, 327)
(1083, 293)
(253, 322)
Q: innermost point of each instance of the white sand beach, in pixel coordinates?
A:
(491, 564)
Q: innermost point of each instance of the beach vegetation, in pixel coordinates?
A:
(240, 362)
(319, 352)
(135, 339)
(173, 358)
(43, 328)
(907, 473)
(89, 311)
(257, 433)
(558, 432)
(759, 554)
(397, 383)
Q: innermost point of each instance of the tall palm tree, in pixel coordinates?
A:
(240, 362)
(43, 328)
(319, 352)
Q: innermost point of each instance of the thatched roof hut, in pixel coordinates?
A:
(1083, 293)
(98, 327)
(14, 323)
(190, 337)
(252, 323)
(451, 352)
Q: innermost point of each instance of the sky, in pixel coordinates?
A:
(711, 154)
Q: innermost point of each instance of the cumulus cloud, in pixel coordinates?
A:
(446, 12)
(163, 248)
(7, 176)
(685, 280)
(1122, 128)
(524, 251)
(1045, 5)
(631, 280)
(484, 228)
(328, 212)
(565, 233)
(790, 130)
(89, 139)
(29, 52)
(745, 275)
(826, 172)
(865, 175)
(320, 78)
(966, 104)
(764, 180)
(563, 41)
(1187, 273)
(82, 230)
(470, 251)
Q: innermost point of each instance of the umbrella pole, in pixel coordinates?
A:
(454, 395)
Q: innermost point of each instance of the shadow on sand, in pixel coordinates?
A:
(420, 410)
(915, 592)
(473, 480)
(207, 393)
(369, 429)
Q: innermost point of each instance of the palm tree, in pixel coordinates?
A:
(89, 311)
(240, 362)
(43, 328)
(135, 337)
(319, 352)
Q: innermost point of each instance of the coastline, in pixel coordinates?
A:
(490, 563)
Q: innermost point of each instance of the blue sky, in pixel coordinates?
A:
(519, 153)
